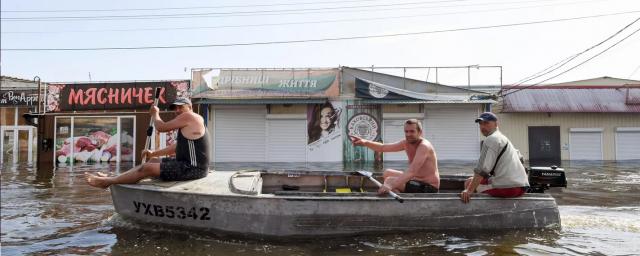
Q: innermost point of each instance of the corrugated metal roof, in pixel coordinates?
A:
(259, 101)
(599, 81)
(588, 100)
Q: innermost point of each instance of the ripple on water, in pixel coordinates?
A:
(626, 219)
(605, 230)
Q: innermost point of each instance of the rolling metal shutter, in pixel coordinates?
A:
(393, 132)
(628, 143)
(585, 144)
(286, 140)
(452, 132)
(240, 134)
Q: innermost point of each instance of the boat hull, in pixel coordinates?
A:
(299, 214)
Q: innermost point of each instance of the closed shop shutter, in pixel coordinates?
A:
(452, 132)
(585, 144)
(393, 132)
(628, 143)
(240, 135)
(286, 140)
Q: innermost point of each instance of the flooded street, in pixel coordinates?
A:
(52, 212)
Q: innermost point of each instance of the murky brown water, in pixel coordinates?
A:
(53, 212)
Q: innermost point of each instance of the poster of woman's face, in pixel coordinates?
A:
(322, 120)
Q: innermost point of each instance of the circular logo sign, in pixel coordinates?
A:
(364, 126)
(377, 92)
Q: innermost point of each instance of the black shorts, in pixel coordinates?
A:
(414, 186)
(173, 170)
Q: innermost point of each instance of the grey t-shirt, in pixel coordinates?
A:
(509, 171)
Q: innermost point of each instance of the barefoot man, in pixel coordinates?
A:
(422, 175)
(191, 151)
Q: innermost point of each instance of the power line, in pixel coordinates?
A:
(206, 14)
(560, 64)
(574, 67)
(196, 7)
(258, 13)
(293, 23)
(317, 40)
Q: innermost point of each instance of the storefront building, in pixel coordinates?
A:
(306, 115)
(594, 119)
(102, 122)
(17, 137)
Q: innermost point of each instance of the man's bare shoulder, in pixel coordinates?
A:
(188, 116)
(426, 144)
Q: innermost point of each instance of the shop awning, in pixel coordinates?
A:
(367, 89)
(259, 101)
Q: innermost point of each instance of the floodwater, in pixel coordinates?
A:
(53, 212)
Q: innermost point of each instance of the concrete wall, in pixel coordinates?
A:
(402, 108)
(288, 109)
(515, 126)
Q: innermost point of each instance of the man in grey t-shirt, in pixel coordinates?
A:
(499, 171)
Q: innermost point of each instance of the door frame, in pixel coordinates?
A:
(16, 129)
(559, 148)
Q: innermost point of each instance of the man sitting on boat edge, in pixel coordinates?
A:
(499, 171)
(422, 176)
(191, 151)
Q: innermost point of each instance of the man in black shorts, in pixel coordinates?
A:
(422, 176)
(191, 151)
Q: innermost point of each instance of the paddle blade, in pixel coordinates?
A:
(365, 173)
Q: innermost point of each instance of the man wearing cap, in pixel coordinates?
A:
(191, 151)
(499, 171)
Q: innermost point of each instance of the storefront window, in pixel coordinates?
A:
(8, 142)
(95, 139)
(63, 140)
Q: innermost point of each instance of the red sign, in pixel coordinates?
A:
(103, 96)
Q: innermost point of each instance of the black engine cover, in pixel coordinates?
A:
(542, 178)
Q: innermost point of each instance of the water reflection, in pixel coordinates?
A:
(52, 211)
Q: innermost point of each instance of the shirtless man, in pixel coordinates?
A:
(422, 175)
(191, 151)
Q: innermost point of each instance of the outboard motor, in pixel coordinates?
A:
(543, 178)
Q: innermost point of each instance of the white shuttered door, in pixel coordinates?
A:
(286, 140)
(585, 144)
(628, 143)
(393, 132)
(240, 135)
(451, 130)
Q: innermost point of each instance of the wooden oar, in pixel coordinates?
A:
(147, 144)
(370, 176)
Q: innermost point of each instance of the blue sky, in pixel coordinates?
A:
(521, 50)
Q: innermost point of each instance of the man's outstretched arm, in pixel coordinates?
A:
(377, 146)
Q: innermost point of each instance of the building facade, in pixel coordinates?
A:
(102, 121)
(307, 115)
(17, 137)
(595, 119)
